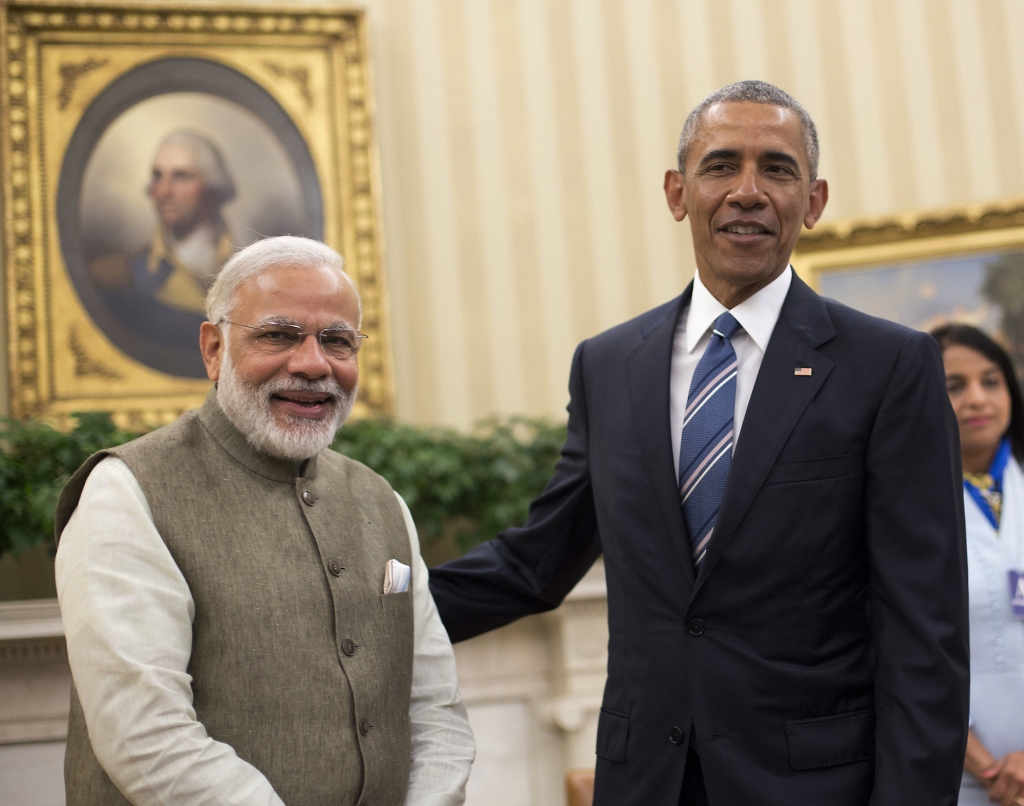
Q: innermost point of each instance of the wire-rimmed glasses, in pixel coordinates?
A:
(282, 337)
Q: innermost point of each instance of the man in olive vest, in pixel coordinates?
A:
(247, 614)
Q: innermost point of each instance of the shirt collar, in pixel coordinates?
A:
(757, 314)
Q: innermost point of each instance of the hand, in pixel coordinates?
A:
(1004, 780)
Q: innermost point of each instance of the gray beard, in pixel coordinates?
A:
(248, 408)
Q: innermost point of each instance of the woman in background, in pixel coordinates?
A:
(987, 401)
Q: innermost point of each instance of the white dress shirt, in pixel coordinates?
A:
(128, 613)
(757, 316)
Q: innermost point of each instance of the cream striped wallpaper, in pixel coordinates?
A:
(523, 144)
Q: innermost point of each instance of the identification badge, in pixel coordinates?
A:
(1017, 594)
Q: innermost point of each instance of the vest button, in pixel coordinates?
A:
(364, 727)
(335, 567)
(308, 498)
(695, 626)
(675, 736)
(348, 646)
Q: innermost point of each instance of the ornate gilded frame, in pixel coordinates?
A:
(55, 60)
(865, 242)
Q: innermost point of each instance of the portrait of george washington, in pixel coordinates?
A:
(162, 187)
(188, 186)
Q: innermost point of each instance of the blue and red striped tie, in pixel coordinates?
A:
(705, 451)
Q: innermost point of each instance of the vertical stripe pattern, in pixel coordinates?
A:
(705, 453)
(523, 145)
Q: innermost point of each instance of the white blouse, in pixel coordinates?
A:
(997, 638)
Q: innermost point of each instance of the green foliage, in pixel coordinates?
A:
(35, 462)
(471, 484)
(463, 486)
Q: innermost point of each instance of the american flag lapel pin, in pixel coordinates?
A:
(805, 371)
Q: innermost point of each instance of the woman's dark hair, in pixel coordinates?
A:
(981, 342)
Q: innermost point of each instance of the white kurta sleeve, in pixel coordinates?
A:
(127, 614)
(442, 741)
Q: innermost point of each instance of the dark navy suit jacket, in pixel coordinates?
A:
(821, 654)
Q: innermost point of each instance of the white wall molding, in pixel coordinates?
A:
(35, 618)
(34, 674)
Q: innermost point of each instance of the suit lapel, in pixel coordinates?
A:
(776, 404)
(649, 369)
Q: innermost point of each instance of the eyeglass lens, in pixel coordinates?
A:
(336, 342)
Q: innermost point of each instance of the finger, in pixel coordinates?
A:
(995, 769)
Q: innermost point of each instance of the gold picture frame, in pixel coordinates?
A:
(86, 93)
(924, 269)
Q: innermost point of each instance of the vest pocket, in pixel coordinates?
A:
(391, 602)
(612, 733)
(831, 740)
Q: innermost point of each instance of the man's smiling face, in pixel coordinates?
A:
(747, 191)
(287, 403)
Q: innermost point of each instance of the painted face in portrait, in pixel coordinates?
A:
(747, 192)
(179, 190)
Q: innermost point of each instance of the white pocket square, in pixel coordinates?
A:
(396, 577)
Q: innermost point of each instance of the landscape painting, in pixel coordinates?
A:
(954, 266)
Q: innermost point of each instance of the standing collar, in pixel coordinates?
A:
(225, 434)
(757, 314)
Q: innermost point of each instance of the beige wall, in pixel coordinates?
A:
(523, 144)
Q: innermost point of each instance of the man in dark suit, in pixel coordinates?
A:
(774, 481)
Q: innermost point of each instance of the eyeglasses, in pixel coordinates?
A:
(278, 337)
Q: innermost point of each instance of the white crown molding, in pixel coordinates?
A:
(32, 618)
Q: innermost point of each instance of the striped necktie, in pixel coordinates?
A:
(705, 451)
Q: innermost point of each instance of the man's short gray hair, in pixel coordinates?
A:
(267, 254)
(758, 92)
(209, 161)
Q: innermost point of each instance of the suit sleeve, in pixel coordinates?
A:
(917, 551)
(532, 568)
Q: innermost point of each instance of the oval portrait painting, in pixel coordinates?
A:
(173, 167)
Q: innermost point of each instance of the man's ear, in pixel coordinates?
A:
(818, 200)
(674, 182)
(212, 346)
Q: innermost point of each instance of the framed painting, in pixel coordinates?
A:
(926, 269)
(141, 147)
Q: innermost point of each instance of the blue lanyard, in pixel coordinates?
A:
(996, 472)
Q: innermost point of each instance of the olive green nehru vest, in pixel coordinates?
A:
(298, 661)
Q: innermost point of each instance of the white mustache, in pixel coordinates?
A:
(324, 386)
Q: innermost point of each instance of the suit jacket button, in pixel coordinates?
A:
(348, 647)
(695, 626)
(364, 727)
(308, 498)
(335, 567)
(675, 736)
